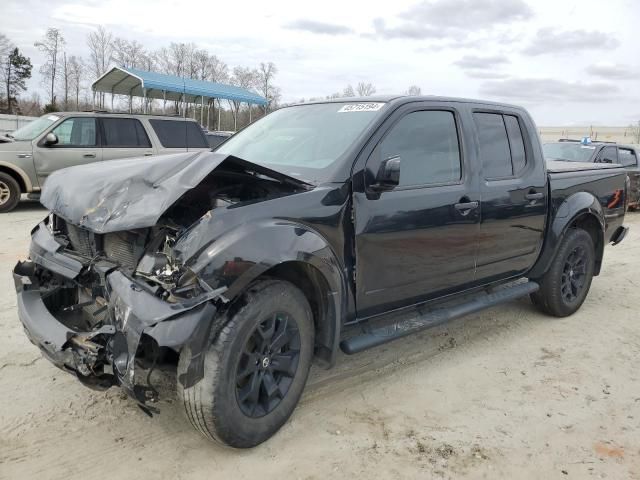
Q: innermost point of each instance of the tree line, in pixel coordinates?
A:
(67, 78)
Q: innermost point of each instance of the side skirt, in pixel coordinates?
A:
(408, 324)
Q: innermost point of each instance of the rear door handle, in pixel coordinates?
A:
(465, 207)
(148, 154)
(89, 155)
(534, 196)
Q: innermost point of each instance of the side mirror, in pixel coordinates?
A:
(50, 139)
(388, 176)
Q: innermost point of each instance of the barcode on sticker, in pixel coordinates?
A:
(361, 107)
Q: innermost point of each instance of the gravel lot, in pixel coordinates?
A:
(508, 393)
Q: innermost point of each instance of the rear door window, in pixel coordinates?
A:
(495, 154)
(627, 157)
(179, 134)
(124, 133)
(516, 143)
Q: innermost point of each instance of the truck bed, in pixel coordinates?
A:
(554, 166)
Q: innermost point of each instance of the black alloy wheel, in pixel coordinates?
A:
(574, 274)
(267, 365)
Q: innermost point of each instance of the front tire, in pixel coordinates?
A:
(566, 284)
(255, 369)
(9, 193)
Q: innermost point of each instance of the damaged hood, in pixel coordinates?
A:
(133, 193)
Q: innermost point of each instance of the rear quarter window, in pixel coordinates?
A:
(627, 157)
(179, 134)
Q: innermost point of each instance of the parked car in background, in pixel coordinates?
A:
(339, 224)
(600, 152)
(60, 140)
(215, 138)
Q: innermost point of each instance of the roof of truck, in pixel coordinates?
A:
(410, 98)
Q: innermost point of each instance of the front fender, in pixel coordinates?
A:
(574, 207)
(242, 254)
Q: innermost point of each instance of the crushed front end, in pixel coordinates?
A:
(107, 307)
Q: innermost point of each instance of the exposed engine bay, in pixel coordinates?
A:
(110, 292)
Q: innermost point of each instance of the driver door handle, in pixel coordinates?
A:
(534, 196)
(89, 155)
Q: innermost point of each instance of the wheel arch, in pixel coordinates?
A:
(315, 287)
(581, 210)
(287, 251)
(18, 175)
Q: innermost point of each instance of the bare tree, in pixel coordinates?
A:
(203, 65)
(31, 107)
(414, 90)
(77, 73)
(5, 50)
(100, 45)
(219, 70)
(365, 89)
(266, 74)
(128, 54)
(51, 45)
(242, 77)
(219, 74)
(65, 70)
(348, 92)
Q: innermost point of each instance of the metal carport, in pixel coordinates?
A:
(139, 83)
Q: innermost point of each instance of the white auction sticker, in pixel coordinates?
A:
(361, 107)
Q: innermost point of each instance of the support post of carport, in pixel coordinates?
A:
(144, 100)
(93, 101)
(201, 109)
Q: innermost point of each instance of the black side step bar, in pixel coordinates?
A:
(407, 326)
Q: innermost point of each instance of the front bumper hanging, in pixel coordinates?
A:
(107, 355)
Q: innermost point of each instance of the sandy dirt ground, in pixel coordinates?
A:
(508, 393)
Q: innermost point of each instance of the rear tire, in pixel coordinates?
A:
(255, 369)
(9, 193)
(566, 284)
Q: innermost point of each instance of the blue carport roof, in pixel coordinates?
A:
(131, 81)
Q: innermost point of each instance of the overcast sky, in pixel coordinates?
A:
(569, 62)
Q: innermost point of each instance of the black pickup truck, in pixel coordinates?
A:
(341, 224)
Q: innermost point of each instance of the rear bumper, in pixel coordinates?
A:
(618, 234)
(109, 354)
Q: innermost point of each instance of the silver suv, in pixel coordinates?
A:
(60, 140)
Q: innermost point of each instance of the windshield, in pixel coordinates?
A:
(570, 152)
(32, 129)
(303, 141)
